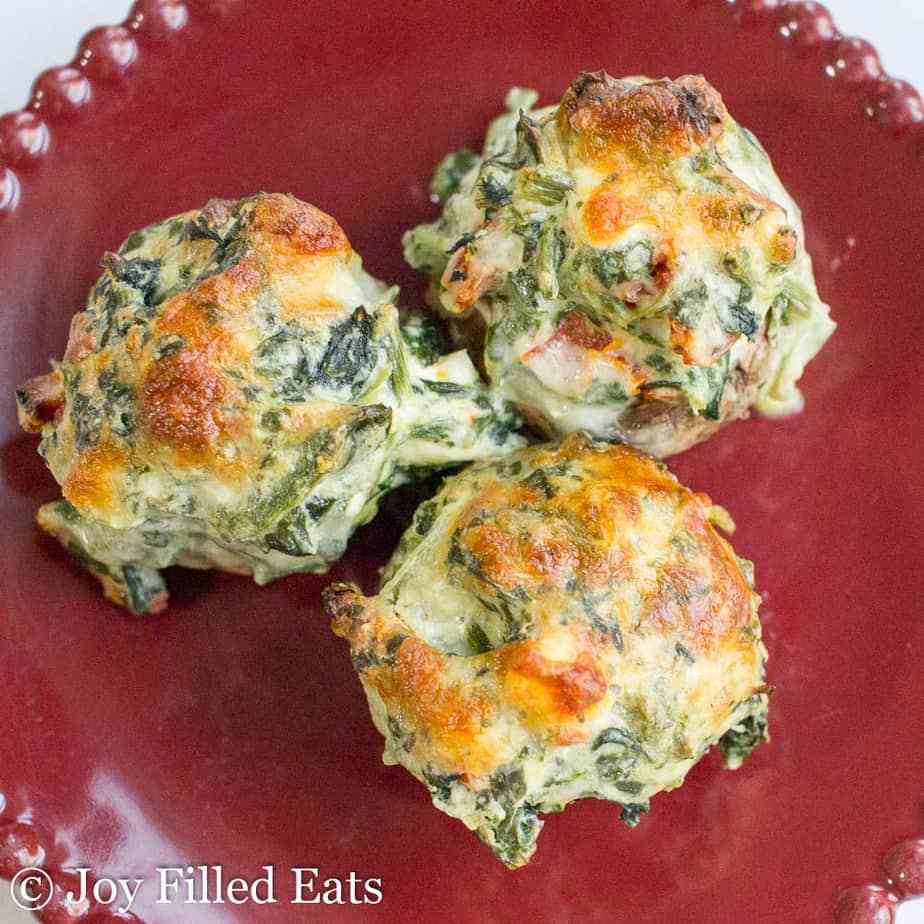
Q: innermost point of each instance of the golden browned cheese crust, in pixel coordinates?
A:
(237, 394)
(193, 407)
(621, 127)
(543, 606)
(636, 266)
(192, 366)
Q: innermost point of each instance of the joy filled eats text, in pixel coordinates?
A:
(209, 885)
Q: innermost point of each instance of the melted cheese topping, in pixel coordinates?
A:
(642, 208)
(564, 623)
(237, 394)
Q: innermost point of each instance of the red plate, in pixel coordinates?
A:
(232, 730)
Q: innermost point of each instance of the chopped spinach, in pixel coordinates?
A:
(539, 481)
(738, 742)
(659, 362)
(292, 535)
(621, 752)
(492, 189)
(522, 314)
(440, 784)
(87, 419)
(168, 345)
(348, 359)
(548, 256)
(504, 603)
(497, 424)
(612, 267)
(436, 432)
(687, 308)
(317, 507)
(137, 273)
(363, 660)
(425, 249)
(445, 388)
(737, 317)
(477, 638)
(606, 393)
(326, 450)
(492, 193)
(463, 241)
(350, 354)
(219, 229)
(120, 398)
(632, 813)
(424, 337)
(590, 275)
(285, 360)
(543, 186)
(704, 386)
(632, 787)
(449, 173)
(532, 146)
(620, 737)
(67, 511)
(133, 242)
(514, 835)
(142, 585)
(425, 517)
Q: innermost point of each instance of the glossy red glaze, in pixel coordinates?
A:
(903, 866)
(60, 92)
(67, 905)
(864, 905)
(232, 729)
(896, 105)
(10, 190)
(19, 848)
(755, 8)
(854, 60)
(23, 139)
(108, 52)
(158, 19)
(806, 24)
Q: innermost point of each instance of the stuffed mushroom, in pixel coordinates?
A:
(237, 394)
(627, 262)
(561, 624)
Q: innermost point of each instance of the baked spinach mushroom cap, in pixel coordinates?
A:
(564, 623)
(237, 394)
(626, 262)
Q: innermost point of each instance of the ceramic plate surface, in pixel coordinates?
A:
(233, 729)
